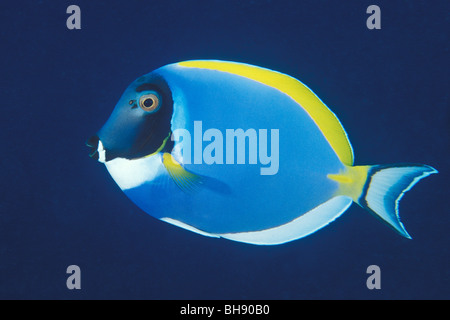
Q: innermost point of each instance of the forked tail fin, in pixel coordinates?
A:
(379, 188)
(385, 186)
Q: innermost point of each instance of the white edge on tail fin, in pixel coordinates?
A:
(387, 185)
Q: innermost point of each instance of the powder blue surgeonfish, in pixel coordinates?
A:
(231, 150)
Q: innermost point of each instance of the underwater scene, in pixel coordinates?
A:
(224, 150)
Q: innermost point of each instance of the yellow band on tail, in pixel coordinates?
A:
(351, 181)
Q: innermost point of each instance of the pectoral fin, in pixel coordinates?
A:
(185, 180)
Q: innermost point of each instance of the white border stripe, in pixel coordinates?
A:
(298, 228)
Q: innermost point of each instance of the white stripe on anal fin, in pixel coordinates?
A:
(298, 228)
(188, 227)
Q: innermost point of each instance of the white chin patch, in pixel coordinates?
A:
(101, 152)
(133, 173)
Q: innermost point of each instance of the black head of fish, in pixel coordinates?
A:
(139, 124)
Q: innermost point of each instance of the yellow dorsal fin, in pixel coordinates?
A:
(325, 119)
(185, 180)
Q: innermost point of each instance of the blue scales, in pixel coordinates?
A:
(241, 152)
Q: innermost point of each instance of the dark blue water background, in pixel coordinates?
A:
(389, 88)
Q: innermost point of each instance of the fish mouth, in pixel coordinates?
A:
(97, 151)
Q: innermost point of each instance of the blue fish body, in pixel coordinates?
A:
(198, 177)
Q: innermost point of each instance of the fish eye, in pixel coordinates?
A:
(150, 102)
